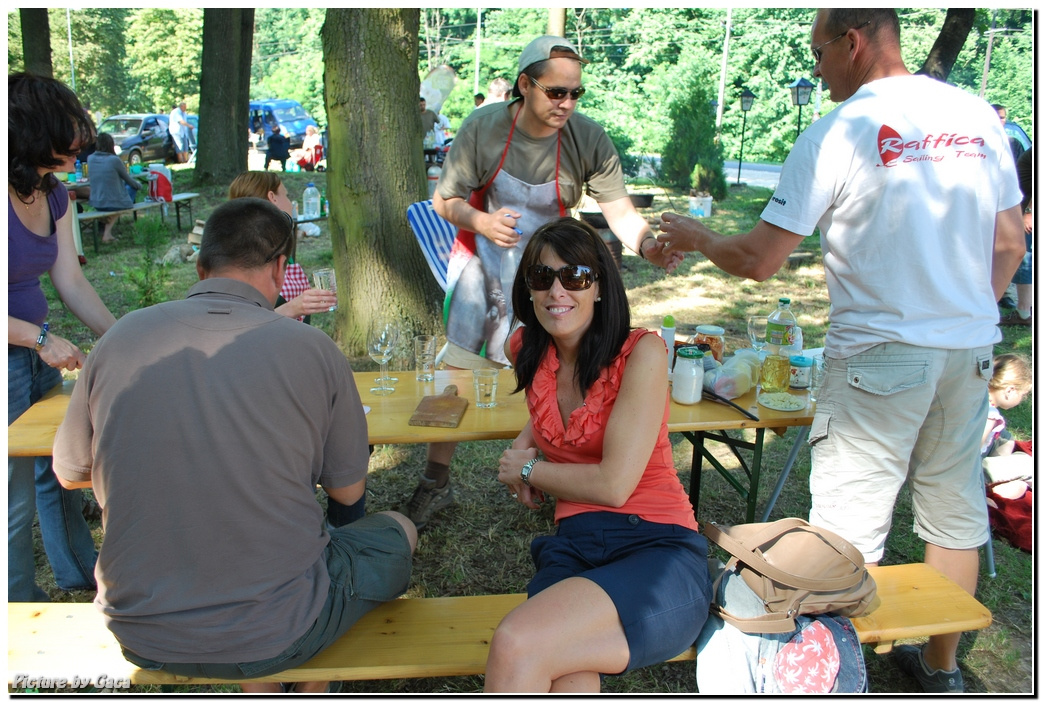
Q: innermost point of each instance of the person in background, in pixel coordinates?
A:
(497, 91)
(297, 298)
(1022, 313)
(624, 582)
(1012, 381)
(513, 167)
(478, 99)
(1017, 148)
(427, 118)
(248, 580)
(111, 187)
(47, 126)
(908, 351)
(180, 131)
(309, 154)
(277, 148)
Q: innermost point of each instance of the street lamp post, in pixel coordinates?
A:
(747, 98)
(801, 90)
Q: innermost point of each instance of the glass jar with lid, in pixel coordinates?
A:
(688, 377)
(713, 336)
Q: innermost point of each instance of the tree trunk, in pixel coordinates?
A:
(375, 172)
(36, 41)
(948, 44)
(227, 49)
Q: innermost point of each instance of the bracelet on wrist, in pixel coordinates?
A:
(639, 247)
(41, 340)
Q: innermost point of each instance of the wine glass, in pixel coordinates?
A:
(757, 332)
(383, 339)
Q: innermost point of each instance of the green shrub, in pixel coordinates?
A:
(153, 236)
(692, 144)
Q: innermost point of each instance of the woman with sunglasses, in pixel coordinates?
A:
(47, 128)
(624, 581)
(297, 298)
(514, 166)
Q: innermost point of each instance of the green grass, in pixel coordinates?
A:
(480, 545)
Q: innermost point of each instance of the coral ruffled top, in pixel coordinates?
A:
(659, 497)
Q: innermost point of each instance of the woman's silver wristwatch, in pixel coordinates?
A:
(526, 471)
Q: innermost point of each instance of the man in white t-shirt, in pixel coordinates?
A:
(913, 188)
(180, 131)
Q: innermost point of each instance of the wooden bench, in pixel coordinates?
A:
(96, 216)
(434, 637)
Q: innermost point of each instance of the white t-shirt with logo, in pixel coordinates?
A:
(904, 179)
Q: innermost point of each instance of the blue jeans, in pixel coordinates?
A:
(30, 484)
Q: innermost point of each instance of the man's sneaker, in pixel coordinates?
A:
(426, 500)
(1012, 319)
(1006, 302)
(909, 660)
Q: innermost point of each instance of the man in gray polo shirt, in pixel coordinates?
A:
(203, 426)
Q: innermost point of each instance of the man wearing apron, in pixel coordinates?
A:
(514, 166)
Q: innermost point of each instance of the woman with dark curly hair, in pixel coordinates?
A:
(623, 583)
(46, 128)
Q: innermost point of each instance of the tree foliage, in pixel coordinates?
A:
(164, 55)
(287, 57)
(142, 60)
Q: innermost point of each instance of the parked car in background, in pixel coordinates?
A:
(289, 115)
(139, 137)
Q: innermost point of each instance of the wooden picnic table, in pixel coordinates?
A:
(704, 424)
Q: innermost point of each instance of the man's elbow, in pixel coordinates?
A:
(73, 485)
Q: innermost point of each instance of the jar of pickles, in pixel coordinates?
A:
(713, 336)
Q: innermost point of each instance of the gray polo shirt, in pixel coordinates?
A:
(205, 425)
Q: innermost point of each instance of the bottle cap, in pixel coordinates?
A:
(710, 330)
(668, 321)
(690, 352)
(800, 361)
(785, 300)
(310, 185)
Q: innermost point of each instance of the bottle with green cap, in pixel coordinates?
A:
(668, 332)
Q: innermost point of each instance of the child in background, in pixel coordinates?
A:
(1011, 382)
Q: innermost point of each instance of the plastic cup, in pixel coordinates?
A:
(816, 378)
(325, 279)
(425, 348)
(486, 381)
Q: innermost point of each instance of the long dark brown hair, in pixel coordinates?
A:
(579, 244)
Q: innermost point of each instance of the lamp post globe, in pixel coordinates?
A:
(801, 91)
(747, 98)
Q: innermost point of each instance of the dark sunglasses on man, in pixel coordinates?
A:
(571, 277)
(559, 93)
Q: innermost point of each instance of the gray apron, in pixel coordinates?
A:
(481, 311)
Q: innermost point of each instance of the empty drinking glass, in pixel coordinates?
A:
(425, 347)
(486, 380)
(382, 340)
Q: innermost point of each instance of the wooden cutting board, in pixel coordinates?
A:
(444, 410)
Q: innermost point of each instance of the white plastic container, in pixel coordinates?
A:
(688, 377)
(668, 333)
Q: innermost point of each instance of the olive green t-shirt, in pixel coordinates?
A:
(587, 157)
